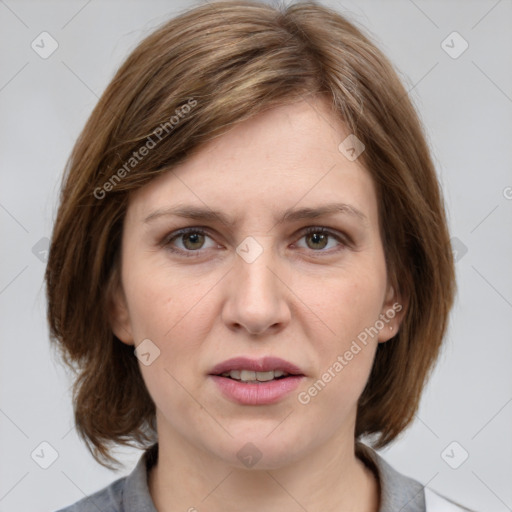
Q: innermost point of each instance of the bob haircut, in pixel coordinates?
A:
(189, 81)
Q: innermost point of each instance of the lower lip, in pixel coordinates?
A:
(262, 393)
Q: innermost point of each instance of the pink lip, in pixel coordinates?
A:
(264, 364)
(262, 393)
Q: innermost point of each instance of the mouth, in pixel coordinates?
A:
(256, 381)
(245, 369)
(249, 376)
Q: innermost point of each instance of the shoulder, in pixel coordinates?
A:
(437, 503)
(127, 494)
(400, 492)
(108, 499)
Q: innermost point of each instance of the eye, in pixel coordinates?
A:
(192, 240)
(318, 238)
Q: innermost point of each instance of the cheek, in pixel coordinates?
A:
(350, 305)
(351, 302)
(158, 302)
(174, 313)
(167, 312)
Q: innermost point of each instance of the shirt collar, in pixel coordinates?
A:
(136, 496)
(397, 492)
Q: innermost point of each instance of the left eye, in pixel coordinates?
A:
(319, 238)
(193, 239)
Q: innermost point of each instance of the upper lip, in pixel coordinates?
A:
(264, 364)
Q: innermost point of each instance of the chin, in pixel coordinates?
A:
(261, 451)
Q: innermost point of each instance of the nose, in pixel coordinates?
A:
(258, 298)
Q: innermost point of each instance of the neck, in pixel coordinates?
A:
(330, 479)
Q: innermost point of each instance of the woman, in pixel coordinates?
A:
(251, 267)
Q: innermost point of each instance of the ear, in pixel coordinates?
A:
(392, 314)
(118, 314)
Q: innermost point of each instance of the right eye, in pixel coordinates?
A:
(192, 240)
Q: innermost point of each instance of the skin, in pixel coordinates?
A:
(303, 299)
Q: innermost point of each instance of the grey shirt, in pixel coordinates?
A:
(131, 493)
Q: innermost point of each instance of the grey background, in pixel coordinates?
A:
(466, 105)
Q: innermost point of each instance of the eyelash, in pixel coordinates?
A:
(167, 241)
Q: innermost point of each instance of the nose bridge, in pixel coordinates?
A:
(258, 301)
(256, 258)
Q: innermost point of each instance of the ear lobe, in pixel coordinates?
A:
(119, 316)
(392, 314)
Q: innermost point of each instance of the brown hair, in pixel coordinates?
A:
(229, 61)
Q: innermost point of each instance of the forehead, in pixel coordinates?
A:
(284, 157)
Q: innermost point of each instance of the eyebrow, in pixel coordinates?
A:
(289, 215)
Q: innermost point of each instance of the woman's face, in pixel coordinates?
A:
(258, 286)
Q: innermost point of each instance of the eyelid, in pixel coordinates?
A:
(167, 239)
(343, 239)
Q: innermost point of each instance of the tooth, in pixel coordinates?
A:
(247, 375)
(253, 376)
(264, 376)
